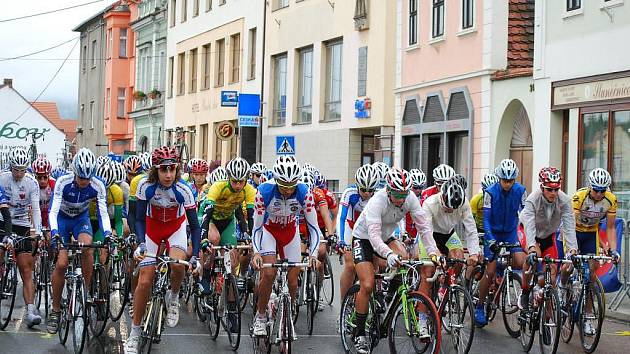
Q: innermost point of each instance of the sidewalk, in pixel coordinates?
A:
(623, 311)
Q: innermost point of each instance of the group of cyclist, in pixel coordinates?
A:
(388, 215)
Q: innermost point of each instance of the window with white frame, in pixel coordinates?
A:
(84, 58)
(305, 86)
(468, 14)
(220, 62)
(161, 65)
(235, 43)
(192, 70)
(121, 102)
(93, 53)
(280, 4)
(438, 18)
(195, 8)
(171, 64)
(573, 4)
(413, 22)
(206, 66)
(122, 50)
(173, 12)
(251, 74)
(184, 15)
(334, 57)
(208, 5)
(280, 90)
(181, 70)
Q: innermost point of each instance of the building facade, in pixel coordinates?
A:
(214, 52)
(582, 92)
(329, 78)
(150, 81)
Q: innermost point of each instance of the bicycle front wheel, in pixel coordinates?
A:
(415, 326)
(64, 317)
(510, 294)
(550, 319)
(566, 314)
(232, 320)
(79, 316)
(151, 325)
(311, 299)
(286, 326)
(327, 292)
(460, 318)
(99, 311)
(119, 291)
(593, 295)
(8, 286)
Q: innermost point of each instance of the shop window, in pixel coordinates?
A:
(412, 152)
(594, 143)
(458, 152)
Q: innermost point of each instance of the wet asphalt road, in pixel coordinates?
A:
(191, 336)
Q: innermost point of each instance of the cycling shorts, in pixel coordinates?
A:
(587, 242)
(75, 226)
(506, 237)
(177, 239)
(447, 242)
(227, 230)
(362, 250)
(286, 249)
(548, 246)
(25, 246)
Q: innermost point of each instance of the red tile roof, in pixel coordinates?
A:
(49, 110)
(520, 55)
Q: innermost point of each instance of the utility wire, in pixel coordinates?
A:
(37, 52)
(49, 82)
(49, 12)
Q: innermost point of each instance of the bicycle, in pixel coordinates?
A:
(326, 285)
(42, 271)
(543, 311)
(180, 142)
(74, 310)
(397, 318)
(120, 276)
(308, 294)
(504, 291)
(575, 298)
(279, 311)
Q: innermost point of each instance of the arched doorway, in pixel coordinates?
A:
(514, 140)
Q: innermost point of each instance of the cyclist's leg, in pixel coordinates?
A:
(363, 256)
(292, 252)
(82, 230)
(455, 250)
(426, 272)
(588, 244)
(267, 250)
(347, 275)
(178, 243)
(228, 238)
(58, 275)
(24, 252)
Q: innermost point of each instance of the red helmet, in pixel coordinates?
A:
(133, 164)
(550, 177)
(42, 166)
(164, 156)
(199, 166)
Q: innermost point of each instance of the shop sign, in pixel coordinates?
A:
(592, 91)
(12, 130)
(225, 130)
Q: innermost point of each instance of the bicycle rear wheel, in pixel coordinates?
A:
(99, 311)
(566, 314)
(550, 319)
(593, 292)
(404, 331)
(510, 294)
(8, 287)
(79, 316)
(150, 325)
(286, 333)
(232, 320)
(460, 318)
(327, 288)
(311, 298)
(119, 283)
(64, 317)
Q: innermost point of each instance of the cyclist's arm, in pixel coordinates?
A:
(611, 230)
(528, 219)
(487, 212)
(101, 207)
(195, 231)
(250, 199)
(470, 230)
(6, 216)
(131, 216)
(259, 218)
(374, 224)
(54, 208)
(310, 216)
(250, 219)
(423, 220)
(341, 218)
(568, 224)
(118, 219)
(141, 221)
(325, 213)
(240, 218)
(36, 213)
(207, 216)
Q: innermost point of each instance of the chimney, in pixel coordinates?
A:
(8, 82)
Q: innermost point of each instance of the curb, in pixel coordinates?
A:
(618, 316)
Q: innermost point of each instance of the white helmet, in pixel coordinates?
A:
(398, 179)
(308, 179)
(145, 157)
(488, 180)
(121, 172)
(219, 174)
(507, 169)
(367, 177)
(238, 168)
(453, 195)
(443, 173)
(107, 173)
(599, 178)
(286, 170)
(258, 168)
(18, 157)
(381, 168)
(461, 180)
(101, 160)
(308, 167)
(84, 163)
(418, 178)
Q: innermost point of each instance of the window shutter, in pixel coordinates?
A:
(411, 114)
(457, 107)
(433, 110)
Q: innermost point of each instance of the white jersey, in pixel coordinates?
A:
(380, 218)
(23, 198)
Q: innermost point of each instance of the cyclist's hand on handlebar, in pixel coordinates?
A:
(473, 260)
(195, 265)
(393, 260)
(140, 252)
(205, 245)
(614, 254)
(532, 257)
(313, 262)
(341, 247)
(257, 261)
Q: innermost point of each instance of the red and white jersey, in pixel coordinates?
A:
(45, 197)
(166, 204)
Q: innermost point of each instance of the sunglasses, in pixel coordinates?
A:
(416, 187)
(19, 169)
(365, 190)
(257, 174)
(237, 181)
(598, 190)
(399, 195)
(42, 177)
(549, 189)
(168, 168)
(507, 180)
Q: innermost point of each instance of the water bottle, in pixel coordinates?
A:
(271, 305)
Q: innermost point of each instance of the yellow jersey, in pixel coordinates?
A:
(114, 198)
(476, 207)
(224, 200)
(588, 213)
(133, 186)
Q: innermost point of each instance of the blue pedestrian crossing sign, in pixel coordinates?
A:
(285, 145)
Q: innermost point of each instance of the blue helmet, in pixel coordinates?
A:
(84, 163)
(507, 169)
(58, 172)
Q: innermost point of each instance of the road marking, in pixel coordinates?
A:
(621, 333)
(242, 335)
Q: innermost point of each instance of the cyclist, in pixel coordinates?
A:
(546, 209)
(418, 183)
(502, 204)
(331, 199)
(22, 192)
(115, 203)
(382, 168)
(58, 172)
(133, 166)
(257, 170)
(219, 174)
(166, 206)
(441, 174)
(138, 174)
(69, 214)
(476, 202)
(198, 173)
(42, 168)
(278, 203)
(353, 201)
(121, 181)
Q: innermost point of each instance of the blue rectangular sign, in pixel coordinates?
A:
(248, 121)
(249, 104)
(229, 98)
(285, 145)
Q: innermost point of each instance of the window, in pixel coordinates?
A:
(93, 53)
(91, 114)
(251, 74)
(208, 5)
(305, 86)
(413, 22)
(411, 152)
(144, 69)
(362, 74)
(334, 55)
(195, 8)
(235, 42)
(123, 43)
(204, 141)
(108, 102)
(161, 64)
(173, 11)
(121, 102)
(171, 61)
(180, 74)
(280, 90)
(84, 58)
(280, 4)
(573, 4)
(206, 66)
(110, 43)
(468, 20)
(192, 63)
(438, 18)
(220, 62)
(184, 9)
(221, 2)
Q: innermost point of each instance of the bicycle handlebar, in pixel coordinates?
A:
(230, 247)
(167, 259)
(285, 265)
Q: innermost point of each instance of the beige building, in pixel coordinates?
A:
(329, 80)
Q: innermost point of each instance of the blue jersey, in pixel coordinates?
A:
(351, 207)
(4, 198)
(501, 209)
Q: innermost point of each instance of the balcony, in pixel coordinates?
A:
(361, 21)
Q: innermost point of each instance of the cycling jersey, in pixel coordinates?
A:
(224, 199)
(200, 193)
(275, 217)
(331, 200)
(501, 208)
(426, 193)
(380, 218)
(351, 207)
(476, 207)
(588, 213)
(542, 219)
(444, 223)
(115, 198)
(72, 203)
(133, 186)
(4, 198)
(45, 196)
(320, 200)
(126, 189)
(23, 198)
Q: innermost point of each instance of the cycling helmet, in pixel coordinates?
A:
(308, 180)
(101, 160)
(443, 173)
(308, 167)
(262, 179)
(145, 157)
(488, 180)
(382, 168)
(286, 170)
(219, 174)
(107, 173)
(121, 172)
(367, 177)
(164, 155)
(452, 194)
(42, 166)
(133, 164)
(461, 180)
(18, 157)
(398, 179)
(418, 178)
(258, 168)
(268, 174)
(58, 172)
(238, 168)
(507, 169)
(599, 178)
(84, 163)
(550, 177)
(198, 166)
